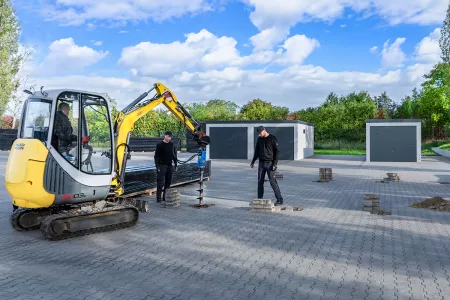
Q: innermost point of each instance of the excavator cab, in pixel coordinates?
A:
(66, 138)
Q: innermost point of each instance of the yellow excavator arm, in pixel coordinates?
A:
(125, 120)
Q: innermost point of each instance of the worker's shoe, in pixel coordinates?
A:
(278, 203)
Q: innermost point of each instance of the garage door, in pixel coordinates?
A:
(285, 137)
(393, 143)
(228, 142)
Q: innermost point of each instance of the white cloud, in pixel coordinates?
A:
(66, 57)
(272, 17)
(374, 49)
(205, 51)
(268, 38)
(308, 84)
(269, 13)
(298, 48)
(392, 55)
(343, 25)
(78, 12)
(97, 43)
(123, 31)
(428, 50)
(202, 49)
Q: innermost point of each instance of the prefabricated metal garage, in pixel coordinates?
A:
(393, 140)
(237, 139)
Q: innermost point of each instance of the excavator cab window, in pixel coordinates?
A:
(96, 141)
(36, 120)
(65, 127)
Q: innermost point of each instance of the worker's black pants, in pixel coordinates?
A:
(263, 168)
(163, 181)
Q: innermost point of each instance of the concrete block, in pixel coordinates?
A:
(100, 205)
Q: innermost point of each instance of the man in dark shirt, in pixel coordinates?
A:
(266, 150)
(164, 154)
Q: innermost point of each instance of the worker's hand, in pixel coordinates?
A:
(158, 169)
(252, 165)
(175, 168)
(274, 167)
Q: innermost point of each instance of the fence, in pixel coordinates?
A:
(7, 138)
(148, 144)
(142, 144)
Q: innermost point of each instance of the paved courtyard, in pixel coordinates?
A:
(330, 250)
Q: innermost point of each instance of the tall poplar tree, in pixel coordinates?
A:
(10, 57)
(444, 41)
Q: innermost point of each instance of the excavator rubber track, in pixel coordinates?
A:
(23, 219)
(71, 224)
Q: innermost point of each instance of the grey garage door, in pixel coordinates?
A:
(285, 137)
(393, 143)
(228, 142)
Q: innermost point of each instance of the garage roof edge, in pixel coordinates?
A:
(262, 122)
(393, 121)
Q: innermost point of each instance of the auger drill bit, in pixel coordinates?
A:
(200, 198)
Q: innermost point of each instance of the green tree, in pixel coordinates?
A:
(385, 106)
(435, 98)
(280, 113)
(10, 57)
(257, 109)
(97, 123)
(332, 99)
(444, 41)
(213, 110)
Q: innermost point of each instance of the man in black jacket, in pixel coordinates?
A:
(165, 153)
(62, 130)
(266, 150)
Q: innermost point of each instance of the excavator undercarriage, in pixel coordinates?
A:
(67, 222)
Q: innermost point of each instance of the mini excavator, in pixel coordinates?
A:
(66, 169)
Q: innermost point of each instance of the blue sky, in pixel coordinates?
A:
(292, 53)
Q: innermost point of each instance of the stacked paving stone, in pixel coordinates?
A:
(392, 177)
(372, 205)
(268, 206)
(172, 199)
(325, 174)
(261, 205)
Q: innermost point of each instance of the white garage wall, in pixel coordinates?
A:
(418, 126)
(303, 142)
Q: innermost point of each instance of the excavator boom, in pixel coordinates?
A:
(125, 120)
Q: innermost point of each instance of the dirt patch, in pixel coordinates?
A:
(435, 203)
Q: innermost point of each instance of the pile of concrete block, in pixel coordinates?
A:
(261, 205)
(392, 177)
(325, 174)
(372, 205)
(264, 205)
(172, 199)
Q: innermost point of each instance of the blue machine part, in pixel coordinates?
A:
(201, 158)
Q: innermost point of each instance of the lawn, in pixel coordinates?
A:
(427, 145)
(445, 146)
(339, 152)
